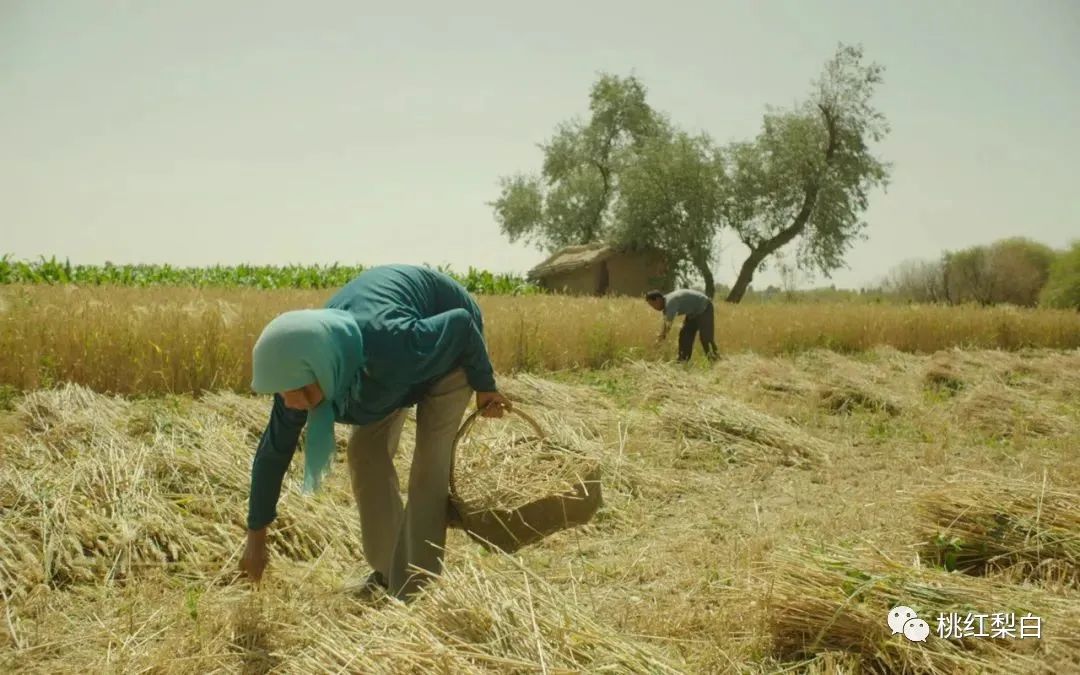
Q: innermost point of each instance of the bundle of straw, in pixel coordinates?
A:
(505, 463)
(93, 503)
(659, 382)
(538, 392)
(838, 600)
(846, 395)
(1000, 412)
(769, 374)
(690, 408)
(988, 523)
(946, 372)
(1057, 372)
(247, 412)
(65, 418)
(561, 405)
(737, 428)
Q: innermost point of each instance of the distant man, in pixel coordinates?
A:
(698, 310)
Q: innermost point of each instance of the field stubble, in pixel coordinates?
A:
(713, 552)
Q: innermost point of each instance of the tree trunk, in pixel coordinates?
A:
(706, 273)
(746, 275)
(770, 246)
(798, 224)
(946, 281)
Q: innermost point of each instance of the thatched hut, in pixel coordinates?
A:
(598, 269)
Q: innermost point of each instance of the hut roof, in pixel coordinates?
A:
(572, 258)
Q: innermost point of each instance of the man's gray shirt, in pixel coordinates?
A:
(684, 301)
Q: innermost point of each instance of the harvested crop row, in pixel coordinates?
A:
(838, 599)
(987, 523)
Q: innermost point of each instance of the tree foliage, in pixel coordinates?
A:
(1062, 288)
(571, 200)
(969, 276)
(671, 199)
(1021, 268)
(921, 281)
(1011, 271)
(629, 177)
(625, 177)
(808, 174)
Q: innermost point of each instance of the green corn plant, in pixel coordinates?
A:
(335, 275)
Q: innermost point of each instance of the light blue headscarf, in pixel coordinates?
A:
(305, 346)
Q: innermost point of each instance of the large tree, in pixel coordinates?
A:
(1013, 270)
(671, 198)
(571, 201)
(626, 177)
(1022, 267)
(1063, 286)
(808, 174)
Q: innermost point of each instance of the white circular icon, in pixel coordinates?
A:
(898, 616)
(916, 630)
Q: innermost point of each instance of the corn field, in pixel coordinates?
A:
(52, 271)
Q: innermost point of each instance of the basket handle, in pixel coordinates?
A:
(467, 426)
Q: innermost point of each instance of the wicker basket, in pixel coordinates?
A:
(509, 529)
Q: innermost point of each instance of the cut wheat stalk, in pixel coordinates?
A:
(986, 523)
(838, 599)
(508, 490)
(999, 411)
(731, 426)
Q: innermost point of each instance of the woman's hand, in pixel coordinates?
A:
(492, 403)
(254, 560)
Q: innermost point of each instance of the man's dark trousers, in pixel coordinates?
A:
(702, 325)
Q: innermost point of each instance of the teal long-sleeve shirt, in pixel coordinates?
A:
(418, 325)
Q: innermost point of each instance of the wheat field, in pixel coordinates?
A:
(173, 340)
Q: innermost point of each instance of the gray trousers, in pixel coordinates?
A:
(404, 544)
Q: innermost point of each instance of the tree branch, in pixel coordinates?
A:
(830, 126)
(605, 174)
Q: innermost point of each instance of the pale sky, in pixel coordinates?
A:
(194, 132)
